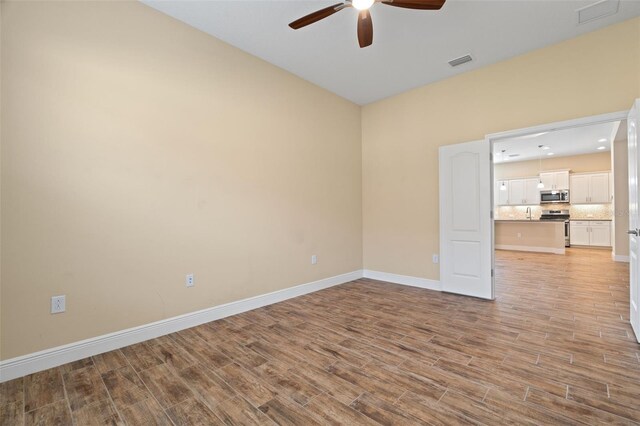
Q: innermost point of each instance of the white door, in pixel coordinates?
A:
(516, 192)
(466, 228)
(599, 188)
(634, 220)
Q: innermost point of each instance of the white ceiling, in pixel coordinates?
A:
(560, 143)
(410, 47)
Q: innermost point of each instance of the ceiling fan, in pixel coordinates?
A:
(365, 24)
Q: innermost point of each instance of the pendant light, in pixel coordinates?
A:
(503, 186)
(540, 184)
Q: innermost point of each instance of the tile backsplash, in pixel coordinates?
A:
(591, 211)
(587, 211)
(517, 212)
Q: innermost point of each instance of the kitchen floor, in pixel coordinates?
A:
(554, 348)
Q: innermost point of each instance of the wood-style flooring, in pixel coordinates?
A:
(554, 348)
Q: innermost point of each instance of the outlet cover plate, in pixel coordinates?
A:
(58, 304)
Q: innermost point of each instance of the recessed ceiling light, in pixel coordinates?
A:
(546, 147)
(602, 140)
(534, 135)
(550, 153)
(600, 148)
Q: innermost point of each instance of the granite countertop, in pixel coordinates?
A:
(590, 219)
(528, 221)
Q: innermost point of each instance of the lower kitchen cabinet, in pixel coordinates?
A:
(579, 233)
(590, 233)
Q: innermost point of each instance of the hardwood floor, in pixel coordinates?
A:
(554, 348)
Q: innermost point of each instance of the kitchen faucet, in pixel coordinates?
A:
(528, 211)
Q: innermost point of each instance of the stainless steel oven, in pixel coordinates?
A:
(559, 216)
(554, 196)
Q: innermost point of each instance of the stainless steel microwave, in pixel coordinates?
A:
(554, 196)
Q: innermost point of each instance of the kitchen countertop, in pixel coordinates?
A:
(591, 220)
(528, 221)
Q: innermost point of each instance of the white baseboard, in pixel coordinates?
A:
(619, 257)
(532, 249)
(49, 358)
(403, 279)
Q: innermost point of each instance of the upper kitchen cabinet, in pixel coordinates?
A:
(502, 193)
(523, 192)
(555, 180)
(590, 188)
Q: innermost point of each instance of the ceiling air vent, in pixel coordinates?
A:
(597, 10)
(461, 60)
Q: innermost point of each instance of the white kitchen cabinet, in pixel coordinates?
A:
(590, 233)
(531, 191)
(579, 233)
(579, 193)
(590, 188)
(599, 188)
(523, 192)
(600, 234)
(555, 180)
(516, 192)
(502, 196)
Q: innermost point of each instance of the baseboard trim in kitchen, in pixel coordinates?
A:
(532, 249)
(49, 358)
(620, 258)
(403, 279)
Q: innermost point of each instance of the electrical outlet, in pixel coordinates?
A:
(435, 258)
(58, 304)
(188, 281)
(519, 235)
(314, 259)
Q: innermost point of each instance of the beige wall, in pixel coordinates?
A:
(621, 198)
(401, 135)
(598, 162)
(136, 149)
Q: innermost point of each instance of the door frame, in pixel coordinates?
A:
(549, 127)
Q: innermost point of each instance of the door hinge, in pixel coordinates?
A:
(491, 214)
(492, 272)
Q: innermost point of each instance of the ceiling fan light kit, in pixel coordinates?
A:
(365, 24)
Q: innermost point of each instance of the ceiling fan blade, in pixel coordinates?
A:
(365, 28)
(316, 16)
(416, 4)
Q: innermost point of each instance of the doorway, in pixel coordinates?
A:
(560, 220)
(532, 172)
